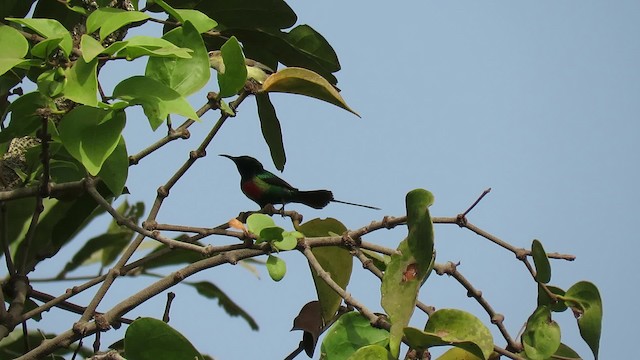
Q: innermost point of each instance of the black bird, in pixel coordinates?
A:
(264, 188)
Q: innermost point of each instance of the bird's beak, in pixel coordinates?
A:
(233, 158)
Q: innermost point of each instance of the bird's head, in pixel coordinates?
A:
(247, 166)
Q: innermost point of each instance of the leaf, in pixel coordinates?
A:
(24, 116)
(271, 130)
(544, 299)
(90, 47)
(543, 268)
(250, 13)
(14, 46)
(541, 337)
(115, 169)
(567, 353)
(152, 339)
(310, 321)
(174, 257)
(409, 267)
(49, 29)
(90, 135)
(184, 75)
(232, 78)
(584, 299)
(309, 42)
(335, 260)
(456, 353)
(305, 82)
(82, 82)
(257, 222)
(51, 82)
(109, 20)
(211, 291)
(349, 333)
(93, 249)
(141, 45)
(276, 267)
(289, 241)
(157, 99)
(199, 20)
(371, 352)
(452, 327)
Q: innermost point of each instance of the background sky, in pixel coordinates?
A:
(537, 100)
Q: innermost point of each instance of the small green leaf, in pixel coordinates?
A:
(276, 267)
(115, 169)
(234, 75)
(90, 47)
(271, 130)
(157, 99)
(82, 82)
(544, 299)
(541, 337)
(288, 242)
(452, 327)
(543, 268)
(93, 249)
(49, 29)
(211, 291)
(152, 339)
(141, 45)
(566, 353)
(335, 260)
(24, 115)
(349, 333)
(185, 76)
(270, 234)
(305, 82)
(90, 135)
(51, 82)
(201, 21)
(584, 299)
(109, 20)
(371, 352)
(257, 222)
(14, 46)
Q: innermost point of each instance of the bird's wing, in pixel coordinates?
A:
(272, 179)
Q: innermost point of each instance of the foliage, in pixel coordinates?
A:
(65, 161)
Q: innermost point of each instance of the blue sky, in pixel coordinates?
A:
(537, 100)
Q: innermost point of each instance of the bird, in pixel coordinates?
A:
(263, 187)
(255, 70)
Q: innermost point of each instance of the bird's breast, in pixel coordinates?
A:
(251, 189)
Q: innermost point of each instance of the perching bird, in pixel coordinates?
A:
(265, 188)
(255, 70)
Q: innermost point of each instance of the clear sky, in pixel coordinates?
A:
(537, 100)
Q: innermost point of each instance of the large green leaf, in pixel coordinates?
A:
(305, 82)
(49, 29)
(152, 339)
(453, 327)
(541, 337)
(211, 291)
(271, 130)
(24, 116)
(14, 46)
(584, 299)
(157, 99)
(91, 135)
(250, 13)
(409, 267)
(82, 82)
(115, 169)
(185, 76)
(109, 20)
(335, 260)
(543, 268)
(234, 74)
(351, 332)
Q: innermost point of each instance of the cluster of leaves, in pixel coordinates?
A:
(78, 124)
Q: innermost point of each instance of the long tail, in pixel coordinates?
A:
(354, 204)
(316, 199)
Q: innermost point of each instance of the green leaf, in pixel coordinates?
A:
(456, 353)
(309, 42)
(49, 29)
(141, 45)
(305, 82)
(24, 116)
(168, 9)
(90, 135)
(82, 82)
(335, 260)
(115, 169)
(199, 20)
(371, 352)
(349, 333)
(276, 267)
(14, 46)
(51, 82)
(186, 76)
(174, 257)
(233, 75)
(250, 13)
(92, 250)
(157, 99)
(271, 130)
(452, 327)
(543, 268)
(152, 339)
(410, 267)
(211, 291)
(567, 353)
(257, 222)
(289, 240)
(584, 299)
(109, 20)
(270, 234)
(544, 299)
(541, 337)
(90, 47)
